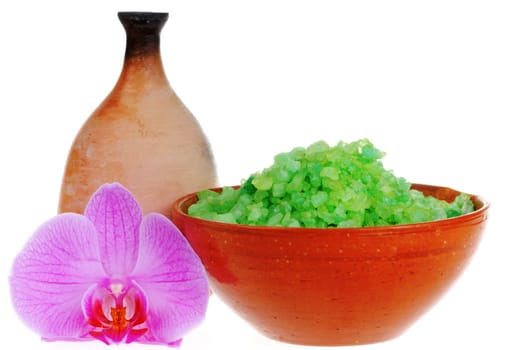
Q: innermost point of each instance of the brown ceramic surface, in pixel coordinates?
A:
(334, 286)
(141, 135)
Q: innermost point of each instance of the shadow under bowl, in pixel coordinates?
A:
(334, 286)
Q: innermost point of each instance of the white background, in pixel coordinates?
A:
(435, 84)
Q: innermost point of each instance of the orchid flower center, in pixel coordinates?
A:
(117, 311)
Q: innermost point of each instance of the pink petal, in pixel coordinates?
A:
(116, 216)
(51, 273)
(173, 278)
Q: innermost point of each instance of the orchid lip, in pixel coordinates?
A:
(116, 310)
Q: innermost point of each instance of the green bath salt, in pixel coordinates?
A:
(324, 186)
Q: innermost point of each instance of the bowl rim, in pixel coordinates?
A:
(478, 215)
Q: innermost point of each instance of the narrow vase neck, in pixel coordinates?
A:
(142, 58)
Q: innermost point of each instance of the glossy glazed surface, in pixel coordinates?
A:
(334, 286)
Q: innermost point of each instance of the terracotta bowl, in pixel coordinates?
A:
(340, 286)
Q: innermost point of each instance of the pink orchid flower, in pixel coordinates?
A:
(111, 275)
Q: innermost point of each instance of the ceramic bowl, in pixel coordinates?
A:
(340, 286)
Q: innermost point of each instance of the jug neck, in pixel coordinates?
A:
(142, 59)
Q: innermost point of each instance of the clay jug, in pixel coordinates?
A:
(141, 135)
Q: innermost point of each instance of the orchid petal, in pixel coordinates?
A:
(52, 272)
(173, 278)
(116, 216)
